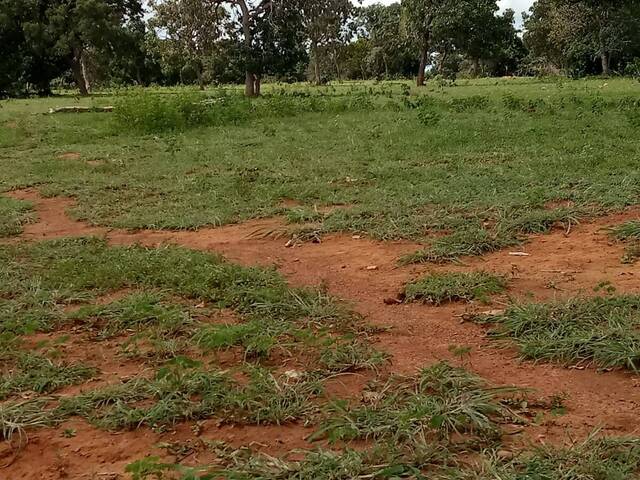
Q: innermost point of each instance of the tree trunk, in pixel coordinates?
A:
(257, 85)
(476, 67)
(606, 63)
(249, 81)
(316, 64)
(85, 72)
(424, 54)
(249, 84)
(200, 77)
(78, 73)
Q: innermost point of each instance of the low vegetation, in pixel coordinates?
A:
(13, 215)
(440, 288)
(594, 458)
(602, 331)
(629, 233)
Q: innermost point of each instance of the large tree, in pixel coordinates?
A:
(390, 54)
(271, 34)
(191, 29)
(82, 27)
(324, 22)
(468, 27)
(572, 34)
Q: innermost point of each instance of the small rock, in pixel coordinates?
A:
(372, 267)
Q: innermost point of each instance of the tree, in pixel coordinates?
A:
(323, 22)
(191, 29)
(451, 26)
(81, 27)
(572, 34)
(271, 35)
(419, 18)
(390, 52)
(28, 59)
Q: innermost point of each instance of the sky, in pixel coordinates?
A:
(518, 6)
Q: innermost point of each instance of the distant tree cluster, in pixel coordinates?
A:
(92, 43)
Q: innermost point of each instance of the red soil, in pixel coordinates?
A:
(559, 265)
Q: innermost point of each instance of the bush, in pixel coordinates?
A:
(149, 112)
(469, 104)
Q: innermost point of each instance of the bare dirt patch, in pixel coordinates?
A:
(365, 272)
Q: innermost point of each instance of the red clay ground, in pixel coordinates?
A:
(558, 265)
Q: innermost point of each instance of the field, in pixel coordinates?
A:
(356, 281)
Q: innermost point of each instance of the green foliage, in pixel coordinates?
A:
(418, 410)
(136, 312)
(602, 331)
(439, 288)
(597, 458)
(402, 181)
(629, 233)
(13, 215)
(469, 241)
(470, 104)
(35, 373)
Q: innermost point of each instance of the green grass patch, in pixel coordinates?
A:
(491, 163)
(418, 411)
(596, 458)
(38, 374)
(440, 288)
(465, 242)
(629, 233)
(41, 280)
(603, 331)
(13, 215)
(184, 390)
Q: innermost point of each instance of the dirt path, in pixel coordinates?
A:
(558, 265)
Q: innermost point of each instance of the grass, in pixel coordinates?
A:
(596, 458)
(487, 173)
(168, 301)
(38, 374)
(602, 331)
(13, 215)
(181, 390)
(629, 233)
(440, 288)
(418, 411)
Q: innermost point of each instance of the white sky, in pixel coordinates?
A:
(518, 6)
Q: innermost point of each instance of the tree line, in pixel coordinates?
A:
(96, 43)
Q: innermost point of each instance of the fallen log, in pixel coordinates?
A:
(79, 109)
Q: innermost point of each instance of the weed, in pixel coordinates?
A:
(13, 215)
(630, 233)
(469, 104)
(467, 242)
(600, 331)
(627, 231)
(136, 312)
(451, 287)
(349, 356)
(16, 417)
(40, 375)
(596, 458)
(418, 410)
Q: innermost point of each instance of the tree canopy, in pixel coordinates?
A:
(115, 42)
